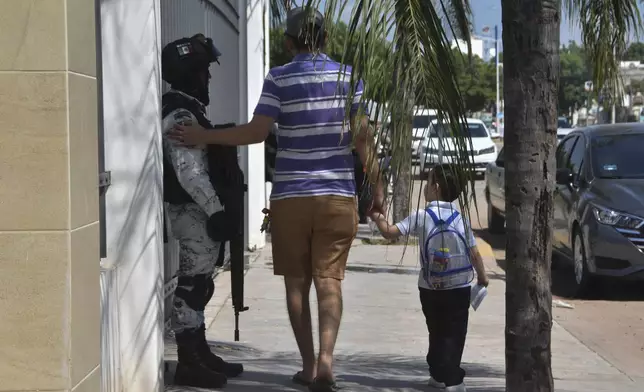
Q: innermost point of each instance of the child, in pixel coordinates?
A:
(448, 256)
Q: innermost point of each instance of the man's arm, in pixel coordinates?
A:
(256, 131)
(189, 165)
(366, 148)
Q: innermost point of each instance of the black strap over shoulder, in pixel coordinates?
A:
(173, 192)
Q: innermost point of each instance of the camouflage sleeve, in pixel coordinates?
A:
(190, 165)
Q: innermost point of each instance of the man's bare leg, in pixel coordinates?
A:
(329, 292)
(299, 312)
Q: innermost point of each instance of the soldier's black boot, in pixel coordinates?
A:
(214, 362)
(192, 371)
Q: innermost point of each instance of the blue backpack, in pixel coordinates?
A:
(446, 255)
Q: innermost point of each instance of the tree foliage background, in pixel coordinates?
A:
(476, 78)
(335, 48)
(573, 73)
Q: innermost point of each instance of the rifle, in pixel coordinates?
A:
(228, 179)
(237, 253)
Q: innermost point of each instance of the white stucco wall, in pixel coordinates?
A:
(253, 162)
(132, 36)
(132, 279)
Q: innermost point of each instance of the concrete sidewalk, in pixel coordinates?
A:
(383, 338)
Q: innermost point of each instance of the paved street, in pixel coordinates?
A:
(383, 338)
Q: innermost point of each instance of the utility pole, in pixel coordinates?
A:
(496, 56)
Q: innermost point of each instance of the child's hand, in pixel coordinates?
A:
(482, 280)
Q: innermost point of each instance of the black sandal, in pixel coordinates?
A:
(299, 379)
(323, 385)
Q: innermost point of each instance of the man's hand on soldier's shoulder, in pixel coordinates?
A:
(189, 135)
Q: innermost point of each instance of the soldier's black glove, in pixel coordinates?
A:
(219, 227)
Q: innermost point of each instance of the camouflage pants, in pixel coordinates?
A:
(197, 257)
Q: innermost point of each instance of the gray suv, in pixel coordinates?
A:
(598, 224)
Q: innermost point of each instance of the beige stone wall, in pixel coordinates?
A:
(49, 234)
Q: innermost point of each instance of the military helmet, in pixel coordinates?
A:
(187, 55)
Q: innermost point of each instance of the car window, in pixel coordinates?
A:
(422, 121)
(577, 155)
(563, 151)
(563, 123)
(618, 155)
(475, 129)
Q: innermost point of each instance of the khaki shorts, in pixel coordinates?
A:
(311, 236)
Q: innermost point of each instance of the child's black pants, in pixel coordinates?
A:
(446, 313)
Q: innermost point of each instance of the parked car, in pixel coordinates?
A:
(495, 194)
(563, 128)
(598, 225)
(439, 146)
(421, 123)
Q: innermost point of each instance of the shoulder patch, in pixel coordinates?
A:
(183, 117)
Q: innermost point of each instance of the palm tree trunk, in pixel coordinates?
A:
(402, 131)
(402, 184)
(531, 79)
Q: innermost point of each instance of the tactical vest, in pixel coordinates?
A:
(223, 165)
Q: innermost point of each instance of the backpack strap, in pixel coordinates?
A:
(440, 222)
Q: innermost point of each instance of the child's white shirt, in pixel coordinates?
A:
(420, 224)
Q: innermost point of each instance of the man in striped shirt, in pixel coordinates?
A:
(313, 203)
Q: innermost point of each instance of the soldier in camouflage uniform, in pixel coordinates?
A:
(192, 203)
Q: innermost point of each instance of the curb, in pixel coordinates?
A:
(489, 259)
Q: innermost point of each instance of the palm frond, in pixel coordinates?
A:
(278, 10)
(605, 26)
(421, 61)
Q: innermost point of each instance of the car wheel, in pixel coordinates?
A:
(495, 221)
(583, 279)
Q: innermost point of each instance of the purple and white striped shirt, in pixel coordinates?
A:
(307, 98)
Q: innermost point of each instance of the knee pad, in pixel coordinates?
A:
(194, 291)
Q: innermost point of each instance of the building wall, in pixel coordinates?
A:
(62, 112)
(132, 276)
(49, 230)
(256, 47)
(477, 47)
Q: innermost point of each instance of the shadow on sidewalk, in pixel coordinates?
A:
(355, 372)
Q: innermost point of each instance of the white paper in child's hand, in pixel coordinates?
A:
(477, 296)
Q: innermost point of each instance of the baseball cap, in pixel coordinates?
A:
(298, 18)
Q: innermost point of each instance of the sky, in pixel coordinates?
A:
(488, 13)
